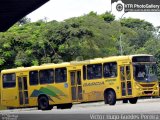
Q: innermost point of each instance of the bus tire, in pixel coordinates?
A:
(133, 100)
(64, 106)
(110, 97)
(43, 103)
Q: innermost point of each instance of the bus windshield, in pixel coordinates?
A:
(145, 72)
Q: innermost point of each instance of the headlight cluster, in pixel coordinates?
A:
(138, 87)
(157, 87)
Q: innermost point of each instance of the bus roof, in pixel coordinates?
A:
(43, 66)
(108, 59)
(66, 64)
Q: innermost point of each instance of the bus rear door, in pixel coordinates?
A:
(23, 90)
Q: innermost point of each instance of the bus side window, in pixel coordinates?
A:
(33, 77)
(60, 75)
(110, 69)
(46, 76)
(94, 71)
(9, 80)
(84, 72)
(106, 70)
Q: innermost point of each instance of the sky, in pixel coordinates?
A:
(63, 9)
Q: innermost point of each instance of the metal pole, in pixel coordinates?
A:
(121, 44)
(120, 37)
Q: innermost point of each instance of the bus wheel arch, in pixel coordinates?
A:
(43, 102)
(110, 96)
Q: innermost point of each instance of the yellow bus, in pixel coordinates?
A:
(109, 79)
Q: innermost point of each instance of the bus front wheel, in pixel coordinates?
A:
(110, 97)
(133, 100)
(43, 103)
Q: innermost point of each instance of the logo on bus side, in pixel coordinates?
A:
(66, 85)
(110, 81)
(93, 84)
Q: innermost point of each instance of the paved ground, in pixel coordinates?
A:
(147, 106)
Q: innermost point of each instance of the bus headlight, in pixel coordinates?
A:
(157, 87)
(138, 88)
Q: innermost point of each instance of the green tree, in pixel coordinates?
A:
(108, 17)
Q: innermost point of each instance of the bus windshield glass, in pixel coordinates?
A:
(145, 72)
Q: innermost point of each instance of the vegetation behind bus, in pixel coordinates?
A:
(79, 38)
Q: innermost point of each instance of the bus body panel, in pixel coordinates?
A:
(80, 85)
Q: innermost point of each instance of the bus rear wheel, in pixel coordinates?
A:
(43, 103)
(110, 97)
(133, 100)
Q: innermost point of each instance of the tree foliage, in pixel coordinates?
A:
(77, 38)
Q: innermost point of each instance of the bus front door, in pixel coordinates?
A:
(126, 84)
(76, 86)
(23, 91)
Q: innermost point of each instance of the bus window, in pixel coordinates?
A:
(128, 72)
(60, 75)
(9, 80)
(122, 73)
(110, 70)
(84, 72)
(33, 76)
(145, 72)
(46, 76)
(94, 71)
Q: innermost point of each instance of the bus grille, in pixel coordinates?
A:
(148, 92)
(148, 89)
(147, 85)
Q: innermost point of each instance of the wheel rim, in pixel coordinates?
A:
(43, 103)
(110, 98)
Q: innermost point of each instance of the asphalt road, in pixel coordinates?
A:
(86, 110)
